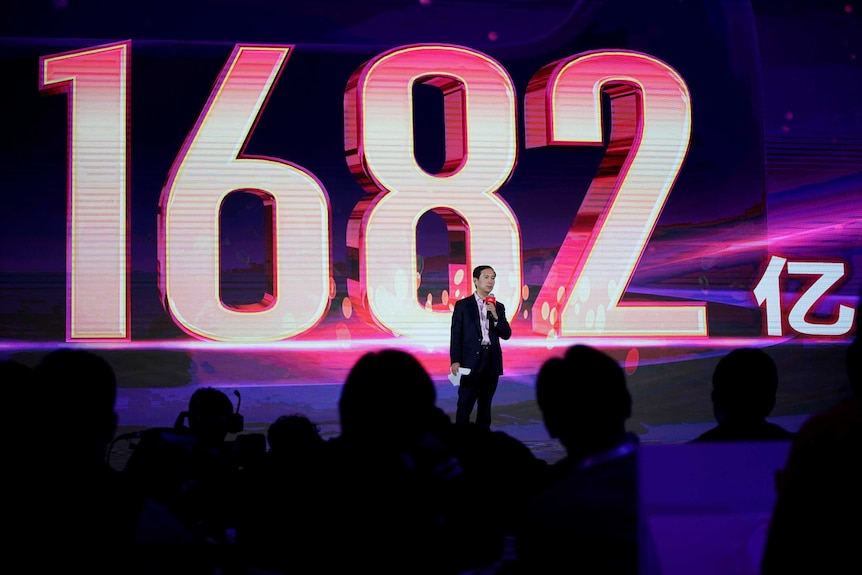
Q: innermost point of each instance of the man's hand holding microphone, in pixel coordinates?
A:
(491, 306)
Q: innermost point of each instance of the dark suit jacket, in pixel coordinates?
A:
(466, 338)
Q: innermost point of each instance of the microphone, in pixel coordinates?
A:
(493, 300)
(236, 422)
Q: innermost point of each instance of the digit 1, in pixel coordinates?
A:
(649, 136)
(96, 81)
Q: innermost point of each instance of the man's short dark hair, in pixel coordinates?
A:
(477, 271)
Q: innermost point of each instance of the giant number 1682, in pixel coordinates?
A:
(649, 137)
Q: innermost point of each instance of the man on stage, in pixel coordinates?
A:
(478, 324)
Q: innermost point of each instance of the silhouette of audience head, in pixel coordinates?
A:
(210, 416)
(17, 380)
(585, 516)
(744, 385)
(291, 433)
(853, 357)
(14, 372)
(584, 399)
(814, 525)
(854, 365)
(388, 398)
(76, 502)
(80, 392)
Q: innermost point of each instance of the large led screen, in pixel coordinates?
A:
(253, 194)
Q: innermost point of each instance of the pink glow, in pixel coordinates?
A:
(481, 151)
(651, 123)
(210, 166)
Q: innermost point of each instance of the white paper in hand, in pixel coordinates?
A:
(456, 379)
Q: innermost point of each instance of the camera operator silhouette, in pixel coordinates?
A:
(189, 468)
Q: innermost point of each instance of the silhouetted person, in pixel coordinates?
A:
(499, 473)
(744, 387)
(80, 514)
(293, 434)
(14, 372)
(282, 526)
(18, 383)
(585, 520)
(478, 324)
(192, 470)
(393, 479)
(815, 525)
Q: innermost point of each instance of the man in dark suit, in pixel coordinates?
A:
(478, 324)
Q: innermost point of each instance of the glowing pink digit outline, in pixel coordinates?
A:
(651, 124)
(212, 165)
(480, 157)
(96, 80)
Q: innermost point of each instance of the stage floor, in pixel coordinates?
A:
(671, 397)
(514, 412)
